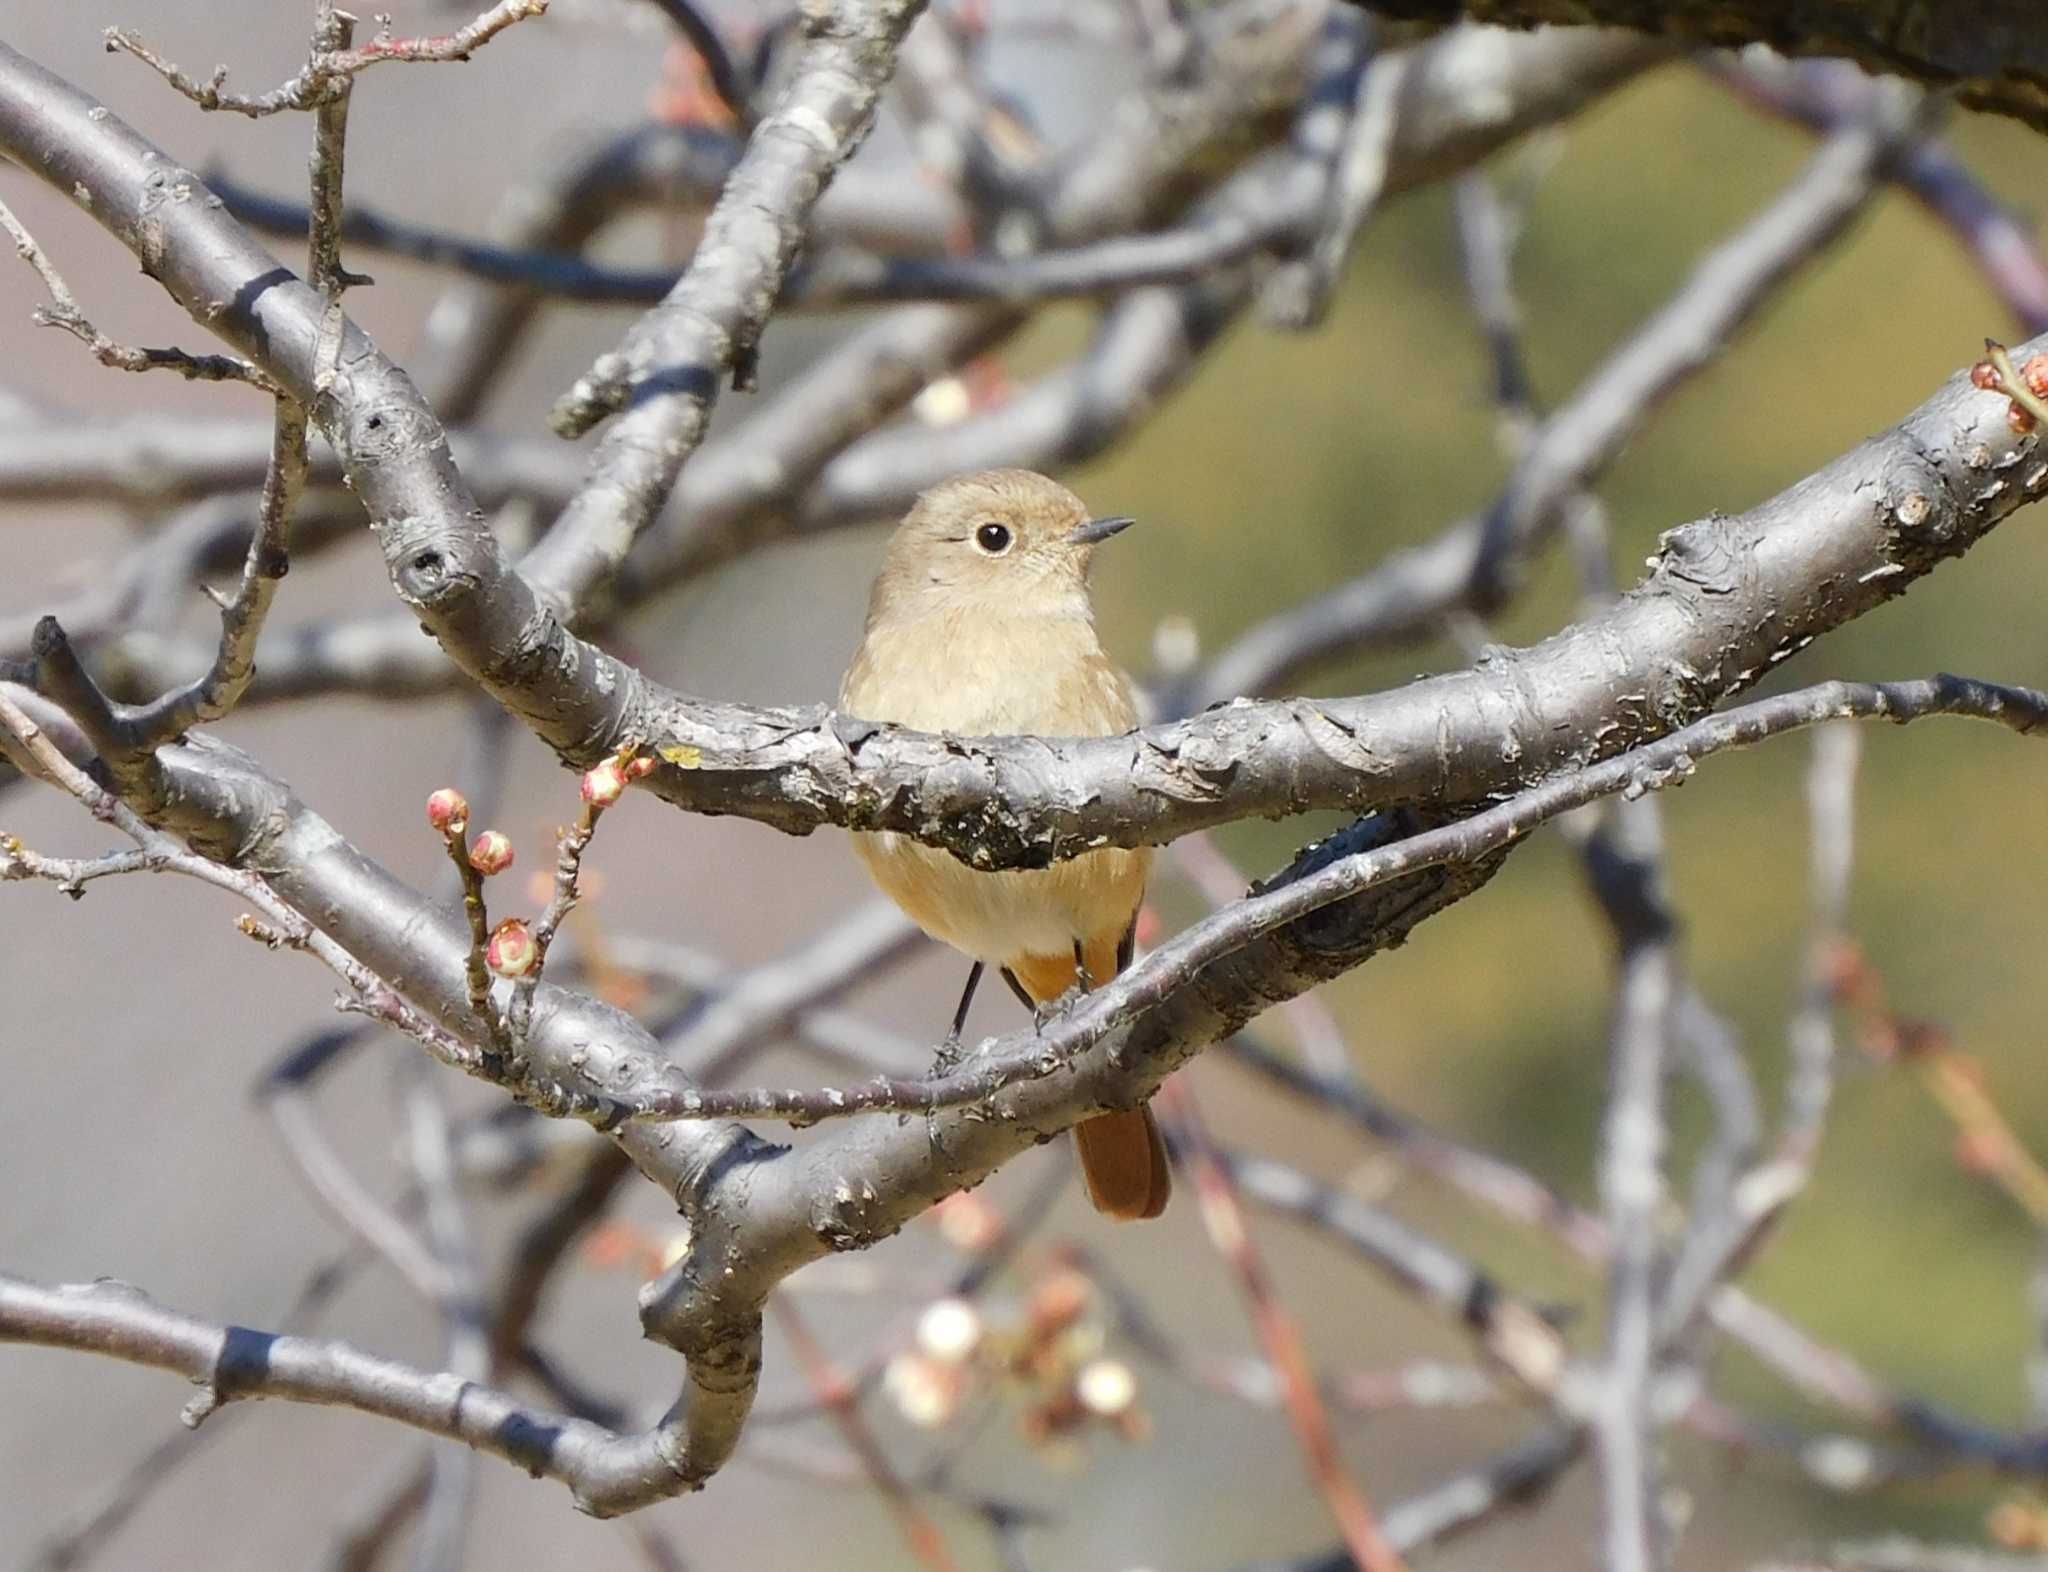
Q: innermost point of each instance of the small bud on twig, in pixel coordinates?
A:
(2028, 388)
(491, 852)
(511, 952)
(266, 934)
(604, 784)
(447, 809)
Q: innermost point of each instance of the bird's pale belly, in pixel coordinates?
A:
(996, 917)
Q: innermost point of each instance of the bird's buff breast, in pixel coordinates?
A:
(983, 675)
(996, 917)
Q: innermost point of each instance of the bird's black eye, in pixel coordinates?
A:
(993, 539)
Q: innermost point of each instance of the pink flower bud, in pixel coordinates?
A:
(639, 769)
(1984, 375)
(491, 852)
(447, 809)
(604, 784)
(2035, 374)
(511, 952)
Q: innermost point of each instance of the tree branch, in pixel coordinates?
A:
(230, 1362)
(332, 65)
(1993, 52)
(63, 312)
(670, 364)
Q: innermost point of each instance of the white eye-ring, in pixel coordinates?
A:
(993, 539)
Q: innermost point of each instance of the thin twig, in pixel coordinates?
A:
(739, 1012)
(725, 72)
(1513, 1334)
(670, 364)
(70, 874)
(476, 970)
(570, 845)
(284, 1095)
(1516, 1477)
(1300, 295)
(278, 924)
(1823, 93)
(467, 1344)
(608, 1471)
(216, 691)
(1721, 1244)
(329, 69)
(1632, 1144)
(63, 312)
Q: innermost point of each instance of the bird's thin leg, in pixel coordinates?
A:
(949, 1050)
(1023, 997)
(1081, 978)
(948, 1056)
(1040, 1013)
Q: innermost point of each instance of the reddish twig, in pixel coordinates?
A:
(1986, 1141)
(840, 1398)
(448, 812)
(1223, 1216)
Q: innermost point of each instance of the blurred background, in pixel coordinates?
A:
(135, 1022)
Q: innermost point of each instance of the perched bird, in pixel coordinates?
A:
(980, 625)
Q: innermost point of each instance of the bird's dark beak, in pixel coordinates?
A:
(1097, 530)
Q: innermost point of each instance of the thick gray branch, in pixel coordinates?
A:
(671, 363)
(1994, 52)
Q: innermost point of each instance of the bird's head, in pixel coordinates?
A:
(1004, 539)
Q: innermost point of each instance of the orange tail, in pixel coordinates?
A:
(1123, 1158)
(1124, 1161)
